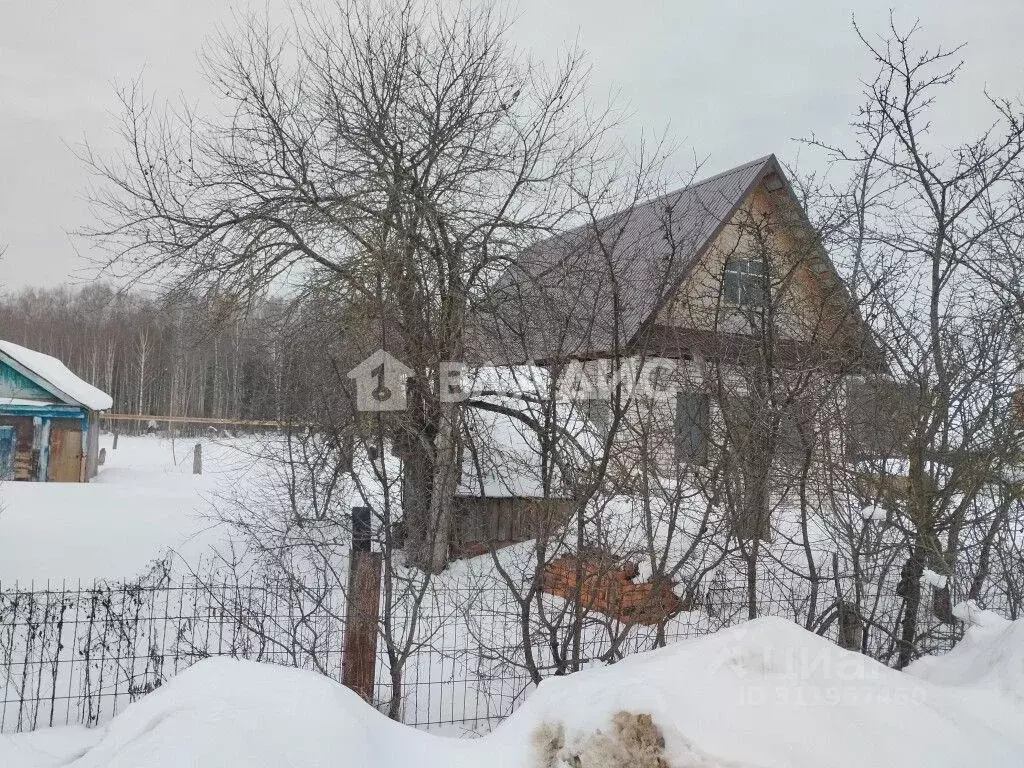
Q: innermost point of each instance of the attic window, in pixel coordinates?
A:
(743, 284)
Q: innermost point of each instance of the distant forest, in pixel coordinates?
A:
(161, 357)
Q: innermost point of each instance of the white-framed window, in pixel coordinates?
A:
(744, 283)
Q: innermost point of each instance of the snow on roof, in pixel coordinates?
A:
(56, 375)
(505, 458)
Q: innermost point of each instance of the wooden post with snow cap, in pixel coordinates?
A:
(359, 659)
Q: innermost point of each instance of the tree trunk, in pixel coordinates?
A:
(445, 481)
(430, 450)
(910, 589)
(430, 479)
(417, 486)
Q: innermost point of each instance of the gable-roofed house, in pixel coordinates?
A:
(651, 278)
(722, 289)
(49, 428)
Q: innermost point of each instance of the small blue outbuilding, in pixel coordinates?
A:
(49, 418)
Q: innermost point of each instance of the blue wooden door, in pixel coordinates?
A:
(7, 440)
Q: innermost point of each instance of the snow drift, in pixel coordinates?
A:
(766, 693)
(989, 658)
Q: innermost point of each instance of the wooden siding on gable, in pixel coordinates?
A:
(808, 308)
(15, 384)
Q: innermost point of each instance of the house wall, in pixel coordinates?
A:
(804, 296)
(801, 293)
(14, 384)
(745, 483)
(33, 426)
(481, 524)
(646, 436)
(41, 446)
(811, 310)
(32, 414)
(24, 443)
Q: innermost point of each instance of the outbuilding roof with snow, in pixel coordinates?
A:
(52, 375)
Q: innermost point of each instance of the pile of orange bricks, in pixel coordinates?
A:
(608, 588)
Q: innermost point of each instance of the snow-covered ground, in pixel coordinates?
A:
(758, 680)
(144, 501)
(765, 693)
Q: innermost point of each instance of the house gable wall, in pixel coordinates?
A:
(800, 274)
(14, 384)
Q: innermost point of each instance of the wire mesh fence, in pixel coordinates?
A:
(76, 654)
(454, 656)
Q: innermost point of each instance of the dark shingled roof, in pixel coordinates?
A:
(589, 291)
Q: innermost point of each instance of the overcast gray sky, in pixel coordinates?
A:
(733, 81)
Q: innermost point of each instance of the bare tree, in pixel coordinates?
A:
(930, 235)
(399, 151)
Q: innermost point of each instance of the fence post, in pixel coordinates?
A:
(197, 460)
(362, 610)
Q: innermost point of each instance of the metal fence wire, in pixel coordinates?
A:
(74, 653)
